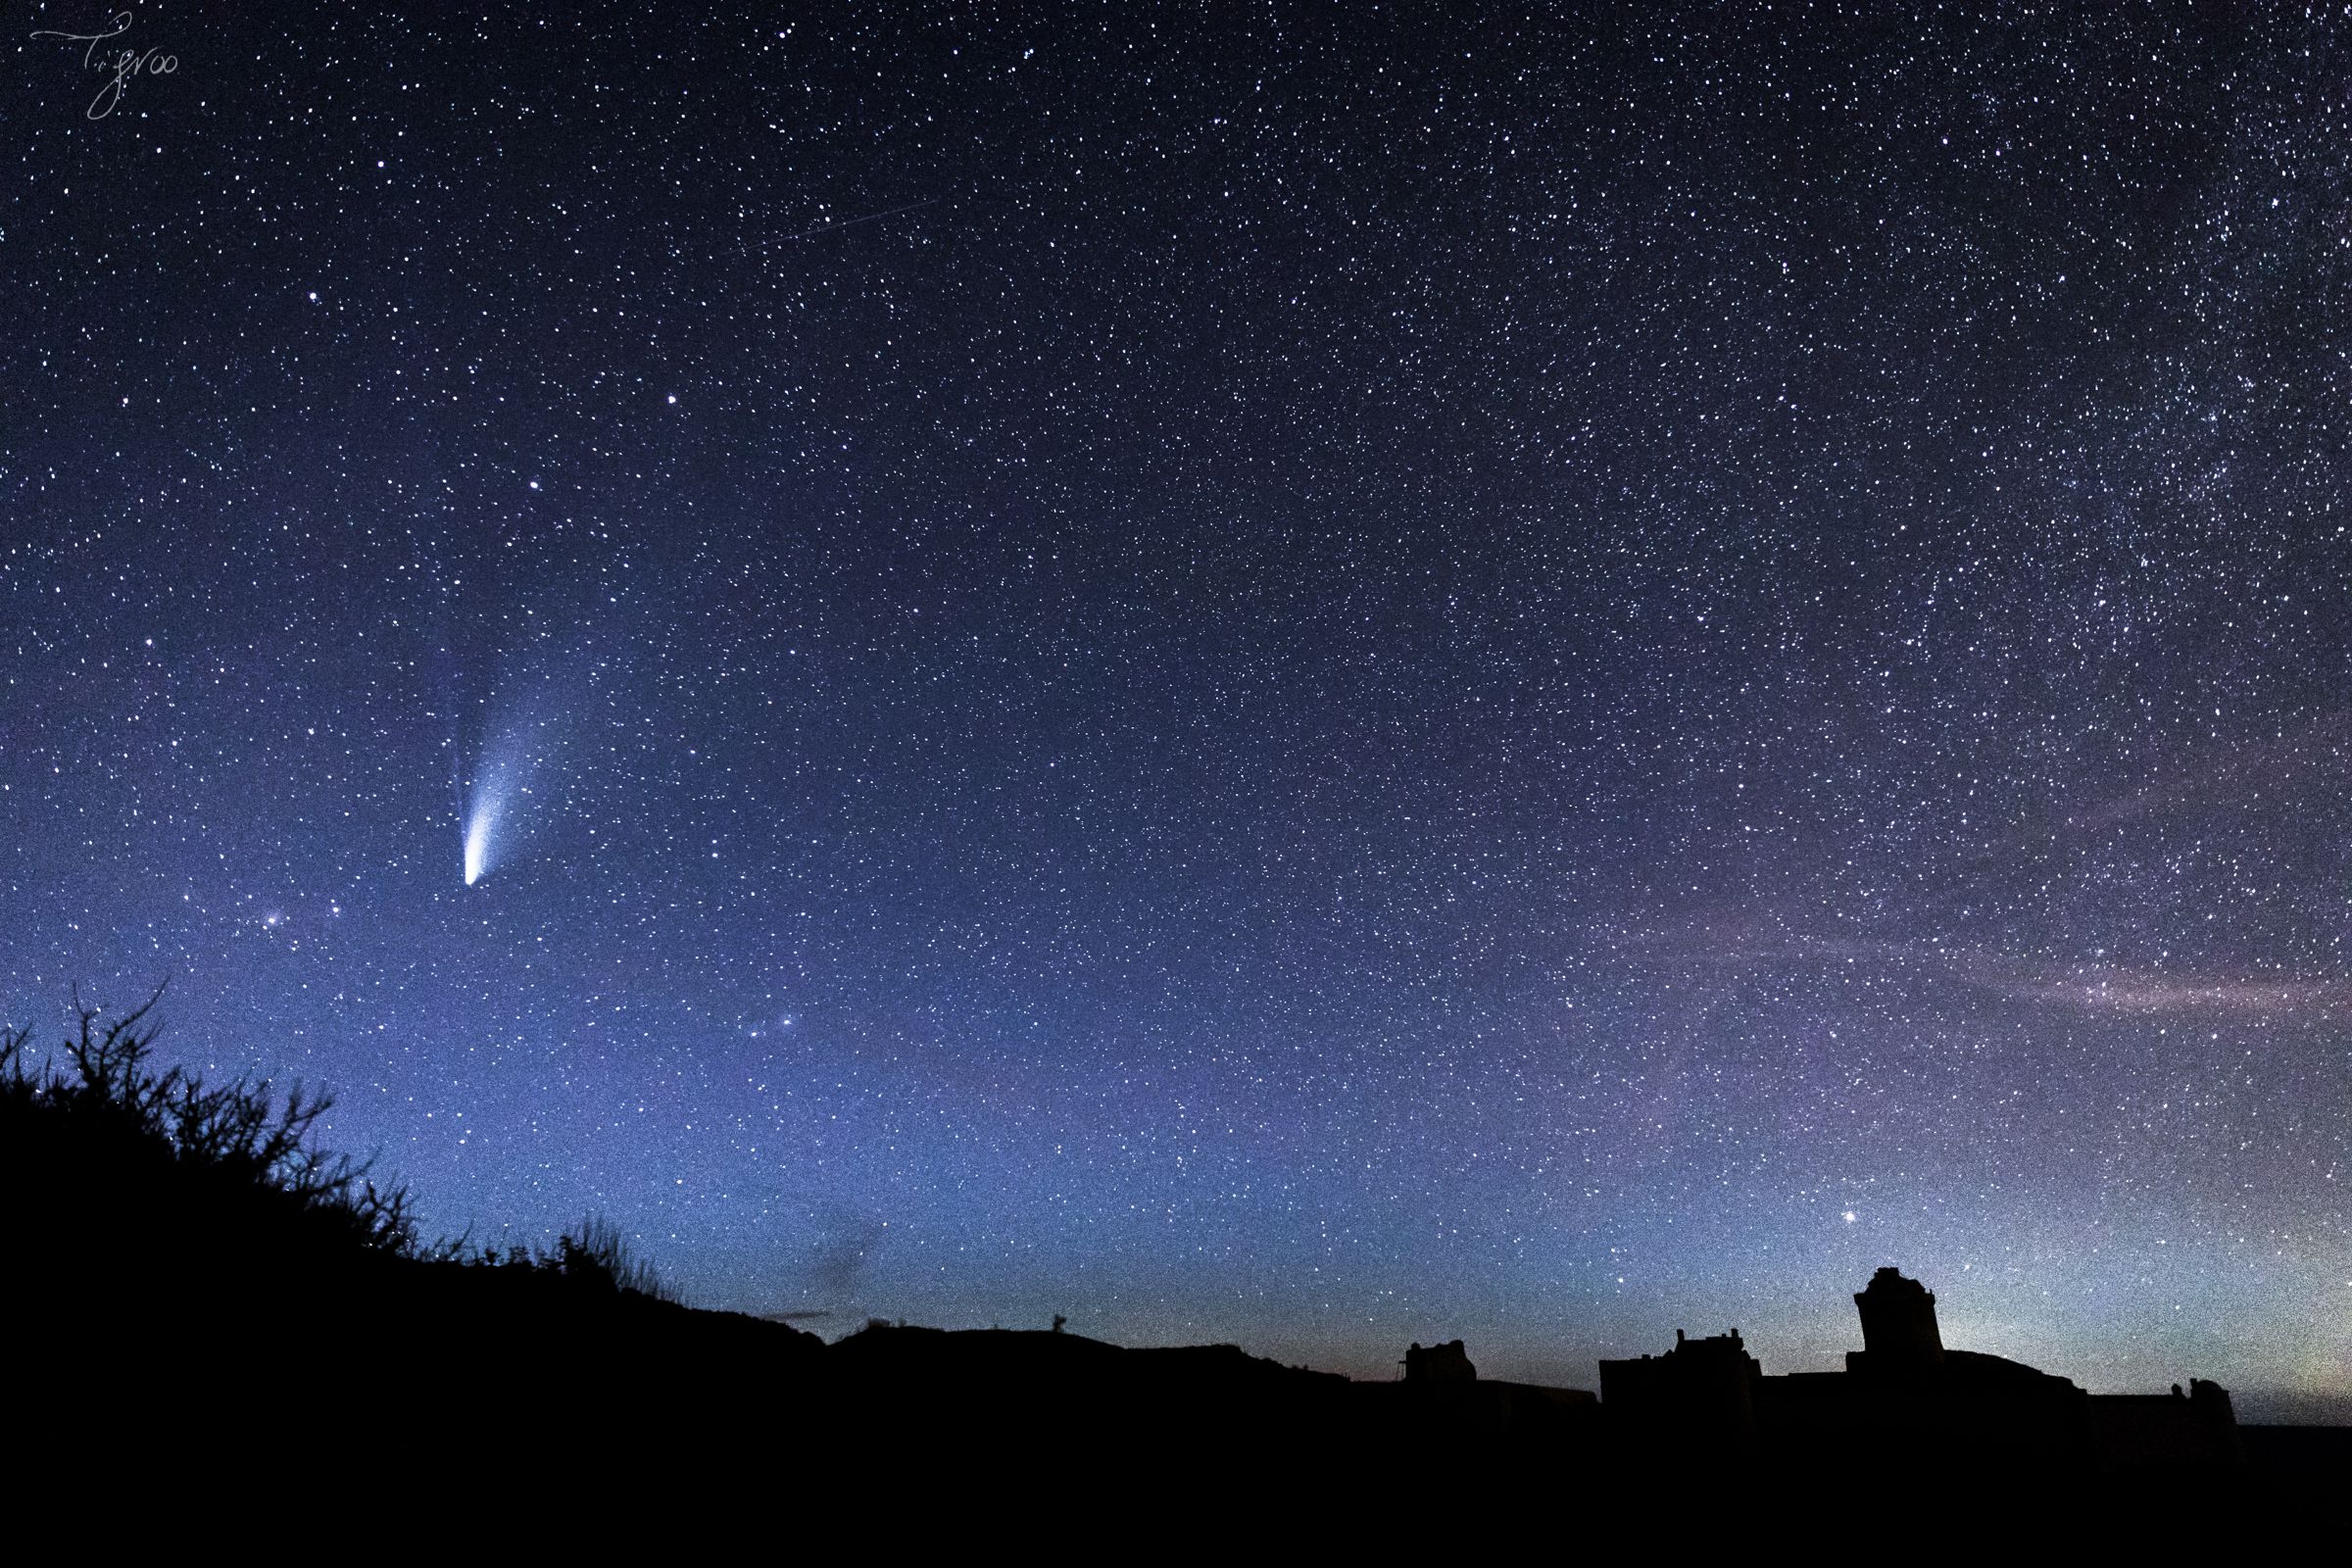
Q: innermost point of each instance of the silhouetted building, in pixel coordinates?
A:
(1701, 1396)
(1443, 1407)
(1439, 1364)
(2141, 1431)
(1904, 1405)
(1898, 1325)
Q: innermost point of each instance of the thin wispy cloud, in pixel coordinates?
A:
(2107, 989)
(2089, 986)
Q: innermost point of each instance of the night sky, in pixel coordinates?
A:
(1308, 677)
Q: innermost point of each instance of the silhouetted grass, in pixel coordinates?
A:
(594, 1257)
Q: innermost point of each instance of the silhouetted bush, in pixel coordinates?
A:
(107, 1108)
(114, 1169)
(596, 1258)
(600, 1258)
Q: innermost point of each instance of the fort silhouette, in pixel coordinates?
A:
(1904, 1394)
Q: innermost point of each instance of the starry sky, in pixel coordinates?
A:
(1314, 676)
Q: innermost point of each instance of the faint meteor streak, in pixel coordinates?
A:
(852, 222)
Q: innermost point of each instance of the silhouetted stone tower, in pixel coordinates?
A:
(1439, 1364)
(1898, 1324)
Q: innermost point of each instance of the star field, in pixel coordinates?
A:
(1307, 676)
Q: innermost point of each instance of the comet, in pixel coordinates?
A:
(500, 801)
(502, 776)
(480, 822)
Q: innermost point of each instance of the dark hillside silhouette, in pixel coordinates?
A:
(161, 1230)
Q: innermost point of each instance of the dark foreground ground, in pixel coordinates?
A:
(207, 1340)
(470, 1384)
